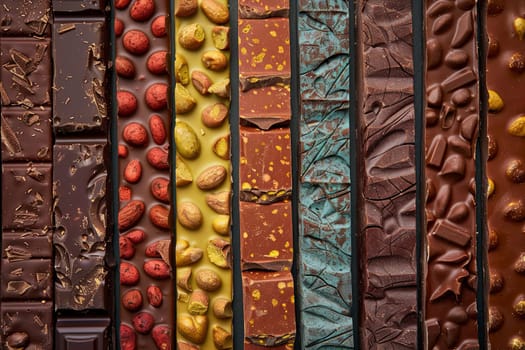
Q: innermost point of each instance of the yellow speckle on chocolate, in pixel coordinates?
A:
(268, 66)
(519, 27)
(495, 102)
(256, 294)
(287, 244)
(273, 254)
(289, 284)
(275, 302)
(245, 234)
(266, 177)
(281, 285)
(490, 187)
(519, 308)
(256, 40)
(280, 49)
(246, 186)
(517, 343)
(246, 29)
(272, 238)
(244, 51)
(292, 299)
(273, 33)
(275, 211)
(517, 127)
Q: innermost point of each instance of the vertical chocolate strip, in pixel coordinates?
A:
(506, 173)
(147, 295)
(26, 288)
(82, 235)
(203, 174)
(452, 119)
(324, 191)
(265, 175)
(388, 222)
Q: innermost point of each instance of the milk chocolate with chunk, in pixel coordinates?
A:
(386, 127)
(506, 174)
(80, 101)
(80, 209)
(452, 119)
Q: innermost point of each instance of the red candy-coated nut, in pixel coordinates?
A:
(157, 63)
(157, 129)
(142, 10)
(133, 171)
(128, 338)
(132, 300)
(135, 42)
(136, 236)
(127, 103)
(157, 269)
(135, 134)
(129, 274)
(158, 26)
(161, 336)
(119, 27)
(160, 189)
(126, 248)
(125, 67)
(157, 96)
(124, 193)
(154, 294)
(123, 151)
(158, 158)
(143, 322)
(121, 4)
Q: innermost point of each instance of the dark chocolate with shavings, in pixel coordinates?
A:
(22, 18)
(30, 279)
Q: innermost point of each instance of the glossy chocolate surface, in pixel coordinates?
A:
(83, 333)
(80, 100)
(505, 170)
(73, 6)
(265, 107)
(388, 213)
(25, 72)
(80, 211)
(452, 119)
(25, 18)
(26, 134)
(263, 9)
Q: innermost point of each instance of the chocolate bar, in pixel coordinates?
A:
(324, 278)
(505, 171)
(27, 325)
(78, 6)
(202, 169)
(388, 181)
(84, 333)
(452, 119)
(146, 285)
(25, 19)
(82, 81)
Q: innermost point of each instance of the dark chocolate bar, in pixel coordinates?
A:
(76, 6)
(25, 18)
(87, 333)
(80, 103)
(506, 174)
(452, 119)
(80, 209)
(324, 278)
(387, 179)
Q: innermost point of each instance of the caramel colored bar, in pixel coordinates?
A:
(388, 197)
(452, 118)
(506, 170)
(203, 188)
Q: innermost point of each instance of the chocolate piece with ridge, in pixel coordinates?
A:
(82, 333)
(25, 18)
(74, 6)
(25, 72)
(81, 222)
(26, 134)
(265, 107)
(452, 119)
(24, 245)
(257, 9)
(29, 279)
(388, 182)
(80, 101)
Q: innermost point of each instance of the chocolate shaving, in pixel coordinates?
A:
(39, 26)
(66, 28)
(5, 97)
(9, 138)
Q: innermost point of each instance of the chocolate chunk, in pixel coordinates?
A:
(265, 107)
(26, 199)
(263, 9)
(265, 160)
(269, 317)
(25, 71)
(74, 6)
(28, 322)
(266, 236)
(29, 279)
(387, 127)
(264, 52)
(80, 85)
(80, 178)
(25, 18)
(82, 333)
(26, 134)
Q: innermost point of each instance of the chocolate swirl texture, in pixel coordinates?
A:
(452, 121)
(388, 191)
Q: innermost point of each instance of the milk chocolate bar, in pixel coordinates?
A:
(386, 126)
(80, 209)
(265, 107)
(144, 220)
(204, 255)
(505, 171)
(257, 9)
(80, 82)
(452, 119)
(324, 279)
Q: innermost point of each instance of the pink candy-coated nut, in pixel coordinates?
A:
(158, 26)
(135, 42)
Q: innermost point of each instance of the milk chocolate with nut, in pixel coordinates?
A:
(452, 119)
(506, 174)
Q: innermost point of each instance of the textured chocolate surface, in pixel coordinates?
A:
(325, 280)
(80, 84)
(388, 221)
(26, 196)
(83, 333)
(25, 18)
(78, 5)
(506, 170)
(26, 134)
(266, 236)
(29, 323)
(263, 9)
(264, 52)
(452, 117)
(80, 181)
(153, 228)
(29, 279)
(265, 161)
(24, 245)
(269, 304)
(25, 72)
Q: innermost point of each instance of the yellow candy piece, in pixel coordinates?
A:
(519, 27)
(495, 102)
(517, 127)
(490, 187)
